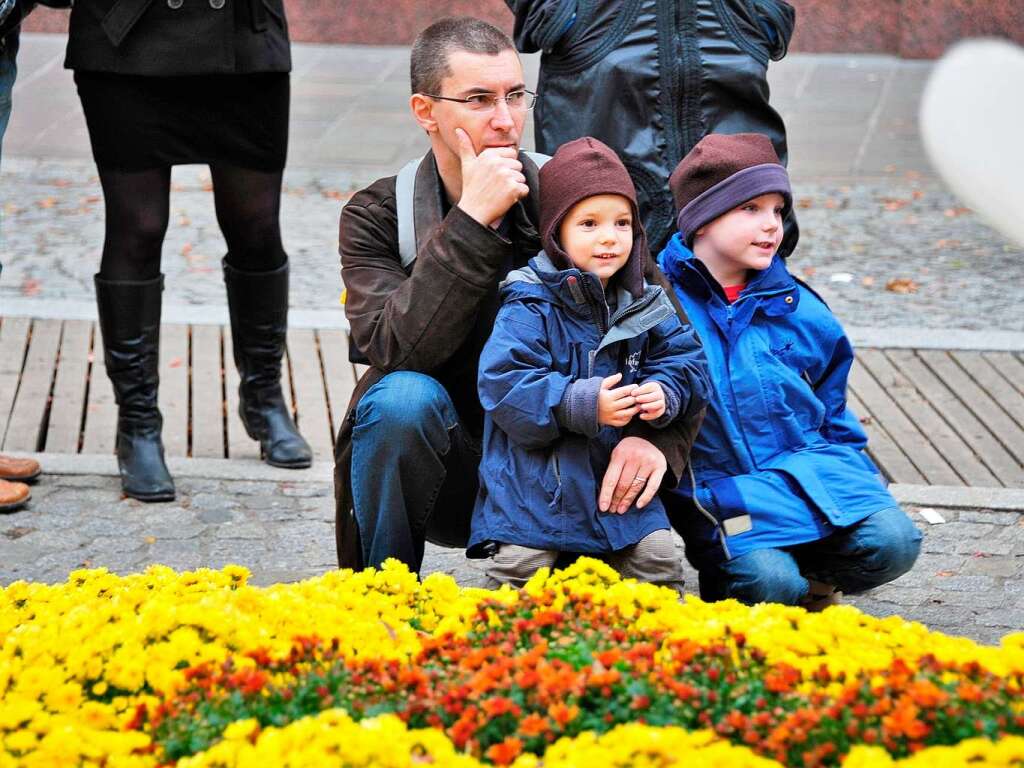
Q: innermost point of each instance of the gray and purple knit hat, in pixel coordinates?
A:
(722, 172)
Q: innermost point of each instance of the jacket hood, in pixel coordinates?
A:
(580, 169)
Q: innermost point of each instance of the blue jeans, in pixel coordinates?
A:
(873, 552)
(8, 71)
(414, 469)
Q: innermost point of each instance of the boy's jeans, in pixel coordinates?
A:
(414, 469)
(873, 552)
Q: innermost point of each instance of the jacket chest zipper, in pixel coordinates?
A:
(751, 464)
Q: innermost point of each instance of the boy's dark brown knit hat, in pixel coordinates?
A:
(721, 172)
(580, 169)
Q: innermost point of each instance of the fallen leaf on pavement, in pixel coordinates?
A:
(952, 213)
(901, 285)
(945, 573)
(47, 202)
(894, 203)
(30, 286)
(175, 362)
(151, 539)
(868, 281)
(809, 271)
(805, 202)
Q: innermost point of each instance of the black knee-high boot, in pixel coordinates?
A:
(258, 305)
(129, 313)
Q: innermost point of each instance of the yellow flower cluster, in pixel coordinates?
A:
(333, 739)
(77, 659)
(1006, 753)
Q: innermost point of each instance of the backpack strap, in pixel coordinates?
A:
(405, 189)
(405, 192)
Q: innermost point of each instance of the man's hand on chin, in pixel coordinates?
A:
(492, 181)
(634, 474)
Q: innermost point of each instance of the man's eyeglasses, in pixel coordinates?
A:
(520, 101)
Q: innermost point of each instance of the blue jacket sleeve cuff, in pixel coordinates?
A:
(672, 405)
(578, 410)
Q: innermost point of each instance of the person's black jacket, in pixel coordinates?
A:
(651, 77)
(178, 37)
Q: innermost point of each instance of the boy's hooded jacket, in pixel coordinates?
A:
(780, 459)
(554, 339)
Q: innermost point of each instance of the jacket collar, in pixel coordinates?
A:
(429, 203)
(772, 291)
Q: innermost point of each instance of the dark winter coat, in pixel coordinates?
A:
(780, 457)
(417, 318)
(539, 480)
(650, 78)
(162, 38)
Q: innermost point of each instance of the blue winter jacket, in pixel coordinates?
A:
(539, 481)
(780, 457)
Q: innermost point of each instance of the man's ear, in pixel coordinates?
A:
(423, 110)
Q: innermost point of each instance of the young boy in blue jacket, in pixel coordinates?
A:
(782, 504)
(580, 347)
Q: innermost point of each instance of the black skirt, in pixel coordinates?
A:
(139, 123)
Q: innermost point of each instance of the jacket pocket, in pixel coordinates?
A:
(276, 11)
(728, 507)
(121, 18)
(598, 29)
(762, 28)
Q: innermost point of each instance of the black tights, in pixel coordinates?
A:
(247, 202)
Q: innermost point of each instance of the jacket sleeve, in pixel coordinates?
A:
(675, 360)
(414, 321)
(517, 384)
(540, 24)
(675, 440)
(840, 426)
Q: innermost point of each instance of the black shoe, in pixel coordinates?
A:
(129, 313)
(258, 305)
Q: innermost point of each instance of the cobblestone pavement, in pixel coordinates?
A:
(855, 239)
(966, 582)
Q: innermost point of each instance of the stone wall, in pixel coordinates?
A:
(908, 28)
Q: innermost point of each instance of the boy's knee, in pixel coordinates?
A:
(514, 564)
(765, 576)
(890, 542)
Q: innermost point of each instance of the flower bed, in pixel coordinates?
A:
(579, 668)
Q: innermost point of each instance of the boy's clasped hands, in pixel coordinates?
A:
(616, 406)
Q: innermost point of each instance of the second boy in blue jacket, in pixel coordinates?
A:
(580, 347)
(782, 504)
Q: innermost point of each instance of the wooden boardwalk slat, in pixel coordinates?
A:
(65, 426)
(1003, 445)
(979, 368)
(313, 419)
(32, 400)
(893, 463)
(1009, 366)
(173, 396)
(339, 374)
(13, 339)
(954, 450)
(207, 393)
(966, 424)
(240, 445)
(100, 435)
(921, 453)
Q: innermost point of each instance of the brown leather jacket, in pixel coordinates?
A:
(413, 319)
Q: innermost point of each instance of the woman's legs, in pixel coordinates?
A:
(128, 293)
(256, 276)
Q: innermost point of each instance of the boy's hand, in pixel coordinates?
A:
(650, 398)
(615, 407)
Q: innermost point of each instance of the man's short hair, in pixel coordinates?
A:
(428, 64)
